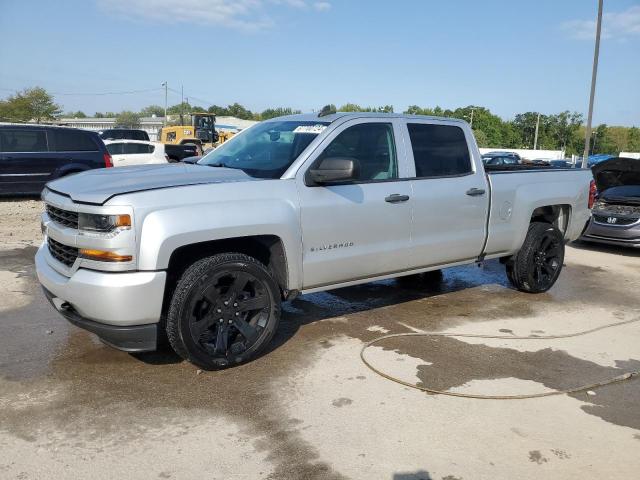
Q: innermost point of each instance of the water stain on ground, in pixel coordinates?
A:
(341, 402)
(451, 363)
(536, 457)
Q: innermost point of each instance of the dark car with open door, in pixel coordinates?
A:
(615, 217)
(32, 155)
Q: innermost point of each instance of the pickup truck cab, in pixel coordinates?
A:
(296, 204)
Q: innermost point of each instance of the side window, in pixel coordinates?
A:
(73, 141)
(372, 147)
(115, 148)
(23, 140)
(439, 150)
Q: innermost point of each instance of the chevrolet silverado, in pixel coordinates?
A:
(204, 254)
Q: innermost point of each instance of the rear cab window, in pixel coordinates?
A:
(439, 150)
(14, 140)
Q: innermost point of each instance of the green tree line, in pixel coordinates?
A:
(560, 131)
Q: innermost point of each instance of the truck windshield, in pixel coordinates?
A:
(267, 149)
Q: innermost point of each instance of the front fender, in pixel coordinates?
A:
(163, 231)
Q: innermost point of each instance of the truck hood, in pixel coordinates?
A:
(98, 186)
(616, 172)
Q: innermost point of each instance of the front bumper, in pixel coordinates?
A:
(628, 236)
(134, 338)
(122, 308)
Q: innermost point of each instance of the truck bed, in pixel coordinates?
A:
(518, 190)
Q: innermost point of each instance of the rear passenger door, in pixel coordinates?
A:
(25, 161)
(75, 150)
(450, 195)
(359, 229)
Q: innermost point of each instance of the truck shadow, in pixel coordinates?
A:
(605, 248)
(315, 307)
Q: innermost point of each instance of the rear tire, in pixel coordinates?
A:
(536, 267)
(224, 311)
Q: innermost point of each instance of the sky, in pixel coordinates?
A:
(509, 56)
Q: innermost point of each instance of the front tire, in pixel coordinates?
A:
(536, 267)
(224, 311)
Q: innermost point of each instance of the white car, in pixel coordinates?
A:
(135, 152)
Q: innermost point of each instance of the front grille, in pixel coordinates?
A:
(63, 217)
(622, 221)
(63, 253)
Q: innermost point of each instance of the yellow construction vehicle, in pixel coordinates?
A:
(194, 128)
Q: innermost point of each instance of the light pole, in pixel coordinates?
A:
(164, 84)
(594, 74)
(471, 122)
(535, 139)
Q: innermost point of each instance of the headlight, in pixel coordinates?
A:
(103, 223)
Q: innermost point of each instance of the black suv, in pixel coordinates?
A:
(32, 155)
(124, 134)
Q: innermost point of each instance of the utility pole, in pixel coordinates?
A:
(165, 85)
(471, 122)
(594, 73)
(535, 139)
(181, 104)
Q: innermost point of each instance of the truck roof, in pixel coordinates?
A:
(332, 117)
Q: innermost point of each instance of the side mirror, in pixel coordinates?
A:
(333, 170)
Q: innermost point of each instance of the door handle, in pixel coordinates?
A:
(396, 198)
(474, 192)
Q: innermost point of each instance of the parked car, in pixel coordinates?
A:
(501, 158)
(615, 217)
(124, 134)
(32, 155)
(134, 152)
(292, 205)
(561, 164)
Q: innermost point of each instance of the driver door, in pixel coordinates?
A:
(360, 228)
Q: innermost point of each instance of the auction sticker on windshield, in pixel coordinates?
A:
(317, 129)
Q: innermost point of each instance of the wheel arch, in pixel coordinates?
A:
(557, 215)
(267, 249)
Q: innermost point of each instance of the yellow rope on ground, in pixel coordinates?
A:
(580, 388)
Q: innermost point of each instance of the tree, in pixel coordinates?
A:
(78, 114)
(238, 111)
(601, 141)
(354, 107)
(180, 108)
(218, 110)
(30, 104)
(277, 112)
(152, 110)
(481, 137)
(128, 119)
(104, 115)
(633, 140)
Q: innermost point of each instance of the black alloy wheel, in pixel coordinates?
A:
(536, 267)
(225, 309)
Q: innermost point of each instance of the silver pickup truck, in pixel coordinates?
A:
(204, 254)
